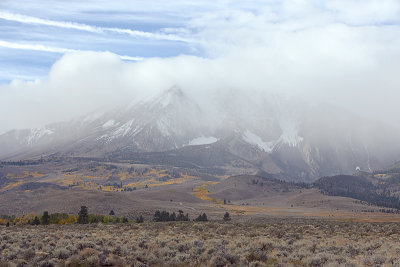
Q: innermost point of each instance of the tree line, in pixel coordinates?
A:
(47, 218)
(165, 216)
(84, 217)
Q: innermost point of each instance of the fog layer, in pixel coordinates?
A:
(345, 53)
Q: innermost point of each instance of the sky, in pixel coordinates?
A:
(62, 59)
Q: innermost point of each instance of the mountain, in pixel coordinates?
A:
(228, 133)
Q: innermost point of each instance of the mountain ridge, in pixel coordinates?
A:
(300, 141)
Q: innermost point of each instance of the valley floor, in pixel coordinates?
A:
(270, 242)
(63, 185)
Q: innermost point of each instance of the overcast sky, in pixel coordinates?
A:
(60, 59)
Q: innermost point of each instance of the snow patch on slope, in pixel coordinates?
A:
(36, 134)
(289, 134)
(123, 130)
(164, 127)
(202, 141)
(254, 139)
(109, 124)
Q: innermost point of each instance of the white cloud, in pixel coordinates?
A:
(320, 51)
(359, 12)
(62, 24)
(36, 47)
(52, 49)
(88, 28)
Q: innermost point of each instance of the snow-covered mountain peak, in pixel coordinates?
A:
(171, 96)
(281, 136)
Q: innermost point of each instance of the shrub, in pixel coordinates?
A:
(36, 221)
(29, 254)
(62, 253)
(227, 217)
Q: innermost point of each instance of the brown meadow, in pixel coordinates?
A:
(270, 242)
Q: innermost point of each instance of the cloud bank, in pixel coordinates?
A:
(336, 52)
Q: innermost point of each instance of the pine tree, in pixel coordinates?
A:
(172, 217)
(227, 217)
(201, 218)
(181, 216)
(83, 217)
(157, 216)
(140, 219)
(164, 216)
(112, 213)
(45, 218)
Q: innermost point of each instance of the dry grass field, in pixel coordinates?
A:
(271, 242)
(274, 223)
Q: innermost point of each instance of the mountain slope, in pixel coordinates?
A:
(235, 133)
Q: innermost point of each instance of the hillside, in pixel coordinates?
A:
(379, 189)
(64, 184)
(246, 187)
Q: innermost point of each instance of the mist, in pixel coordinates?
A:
(344, 54)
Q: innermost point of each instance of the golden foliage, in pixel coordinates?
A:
(11, 185)
(123, 176)
(202, 192)
(171, 181)
(70, 220)
(26, 174)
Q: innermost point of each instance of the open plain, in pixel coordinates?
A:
(270, 242)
